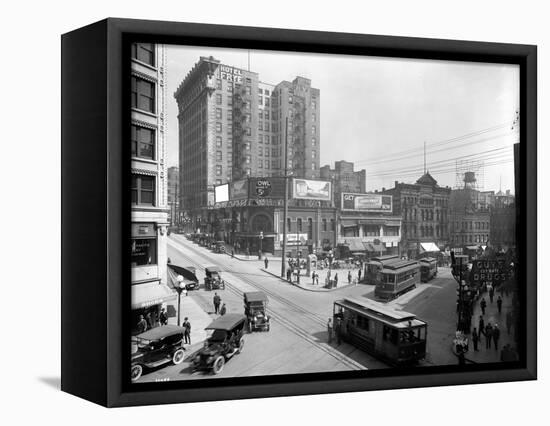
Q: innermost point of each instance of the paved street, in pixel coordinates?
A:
(297, 341)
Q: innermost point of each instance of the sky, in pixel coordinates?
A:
(380, 112)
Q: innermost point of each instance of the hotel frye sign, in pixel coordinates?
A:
(231, 74)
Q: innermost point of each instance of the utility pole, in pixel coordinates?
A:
(424, 157)
(285, 201)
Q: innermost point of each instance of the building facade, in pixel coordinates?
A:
(172, 198)
(503, 227)
(344, 178)
(470, 219)
(233, 126)
(149, 212)
(424, 209)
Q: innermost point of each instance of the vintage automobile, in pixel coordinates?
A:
(156, 347)
(213, 279)
(255, 309)
(219, 247)
(188, 273)
(225, 341)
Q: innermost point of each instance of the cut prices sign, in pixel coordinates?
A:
(367, 202)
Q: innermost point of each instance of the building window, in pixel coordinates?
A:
(218, 113)
(332, 225)
(219, 99)
(266, 92)
(143, 95)
(266, 115)
(310, 228)
(219, 84)
(143, 190)
(267, 152)
(218, 141)
(260, 151)
(229, 88)
(219, 170)
(288, 225)
(218, 181)
(313, 129)
(260, 115)
(266, 101)
(218, 127)
(144, 251)
(143, 142)
(260, 100)
(324, 225)
(261, 125)
(248, 131)
(229, 115)
(248, 159)
(260, 164)
(313, 141)
(144, 52)
(313, 154)
(247, 90)
(218, 156)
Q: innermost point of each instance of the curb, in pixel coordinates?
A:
(320, 290)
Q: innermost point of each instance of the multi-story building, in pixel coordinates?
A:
(173, 183)
(502, 235)
(344, 178)
(149, 213)
(424, 208)
(232, 126)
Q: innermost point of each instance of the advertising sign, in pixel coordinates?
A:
(367, 202)
(267, 187)
(294, 239)
(232, 74)
(239, 189)
(490, 271)
(221, 193)
(305, 189)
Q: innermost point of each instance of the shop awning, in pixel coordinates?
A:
(432, 247)
(354, 244)
(378, 247)
(472, 247)
(149, 294)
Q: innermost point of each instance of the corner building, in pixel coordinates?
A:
(232, 126)
(149, 186)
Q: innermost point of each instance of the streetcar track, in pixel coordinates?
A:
(288, 324)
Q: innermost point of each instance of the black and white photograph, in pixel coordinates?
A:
(297, 213)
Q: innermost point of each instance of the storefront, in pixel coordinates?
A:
(147, 301)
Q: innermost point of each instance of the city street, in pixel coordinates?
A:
(297, 341)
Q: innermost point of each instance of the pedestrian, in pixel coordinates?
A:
(499, 304)
(481, 327)
(142, 324)
(488, 335)
(266, 262)
(491, 293)
(150, 321)
(329, 330)
(496, 336)
(298, 276)
(232, 252)
(313, 278)
(223, 309)
(483, 305)
(163, 317)
(461, 358)
(509, 321)
(359, 275)
(336, 280)
(288, 278)
(186, 331)
(475, 339)
(217, 300)
(338, 330)
(349, 277)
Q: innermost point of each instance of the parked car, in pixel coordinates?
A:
(219, 247)
(156, 347)
(255, 309)
(213, 279)
(225, 341)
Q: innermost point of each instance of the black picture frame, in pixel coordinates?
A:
(96, 211)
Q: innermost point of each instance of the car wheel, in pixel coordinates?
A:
(136, 372)
(217, 367)
(241, 345)
(178, 356)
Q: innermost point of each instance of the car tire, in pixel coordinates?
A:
(136, 372)
(178, 357)
(217, 365)
(241, 346)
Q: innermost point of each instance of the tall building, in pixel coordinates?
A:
(173, 190)
(424, 208)
(149, 213)
(233, 126)
(344, 178)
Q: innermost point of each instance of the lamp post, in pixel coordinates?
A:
(261, 239)
(179, 288)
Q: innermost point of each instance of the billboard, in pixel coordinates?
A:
(490, 271)
(367, 202)
(266, 187)
(305, 189)
(221, 193)
(239, 189)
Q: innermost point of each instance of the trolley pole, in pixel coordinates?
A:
(285, 202)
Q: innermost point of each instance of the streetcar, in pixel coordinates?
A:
(397, 278)
(375, 265)
(428, 268)
(396, 337)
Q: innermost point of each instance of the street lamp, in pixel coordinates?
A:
(261, 238)
(179, 288)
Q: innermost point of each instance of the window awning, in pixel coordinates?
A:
(429, 247)
(149, 294)
(377, 247)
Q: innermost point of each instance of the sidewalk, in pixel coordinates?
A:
(197, 317)
(484, 355)
(306, 283)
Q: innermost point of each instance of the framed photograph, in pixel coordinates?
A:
(255, 212)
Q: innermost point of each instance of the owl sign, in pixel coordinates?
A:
(263, 188)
